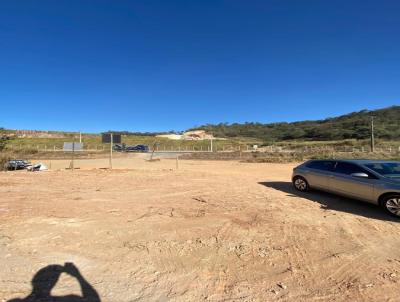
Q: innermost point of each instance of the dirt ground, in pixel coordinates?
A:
(209, 231)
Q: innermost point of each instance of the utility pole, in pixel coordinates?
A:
(80, 137)
(111, 150)
(372, 135)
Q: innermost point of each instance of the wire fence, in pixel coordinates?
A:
(216, 148)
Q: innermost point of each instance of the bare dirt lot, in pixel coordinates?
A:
(210, 231)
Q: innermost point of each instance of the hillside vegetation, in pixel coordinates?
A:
(355, 125)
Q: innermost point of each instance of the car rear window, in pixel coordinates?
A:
(324, 165)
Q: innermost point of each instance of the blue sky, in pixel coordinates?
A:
(163, 65)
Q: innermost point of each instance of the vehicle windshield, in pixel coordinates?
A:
(388, 169)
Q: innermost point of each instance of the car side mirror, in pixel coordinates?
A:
(360, 175)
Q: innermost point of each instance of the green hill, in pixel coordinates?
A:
(355, 125)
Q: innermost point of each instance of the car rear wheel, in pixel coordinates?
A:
(300, 184)
(391, 204)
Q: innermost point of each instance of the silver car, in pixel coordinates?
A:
(374, 181)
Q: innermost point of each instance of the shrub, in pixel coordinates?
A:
(4, 158)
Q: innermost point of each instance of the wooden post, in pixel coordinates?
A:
(73, 154)
(177, 162)
(111, 150)
(372, 135)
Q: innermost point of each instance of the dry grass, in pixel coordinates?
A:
(288, 157)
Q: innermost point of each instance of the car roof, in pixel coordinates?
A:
(363, 161)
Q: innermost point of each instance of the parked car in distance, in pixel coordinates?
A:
(16, 164)
(125, 148)
(373, 181)
(119, 147)
(137, 148)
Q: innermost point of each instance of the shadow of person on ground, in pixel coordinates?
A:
(333, 202)
(46, 278)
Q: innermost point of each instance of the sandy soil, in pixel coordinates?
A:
(209, 231)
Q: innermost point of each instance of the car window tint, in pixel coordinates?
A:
(379, 168)
(348, 169)
(385, 168)
(321, 165)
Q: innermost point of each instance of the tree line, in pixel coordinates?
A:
(356, 125)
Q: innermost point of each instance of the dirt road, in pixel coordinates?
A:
(210, 231)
